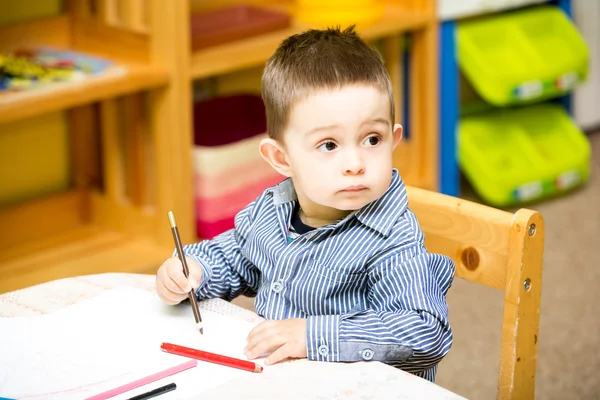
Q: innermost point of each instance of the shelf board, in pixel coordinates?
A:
(49, 215)
(256, 50)
(129, 72)
(80, 251)
(116, 81)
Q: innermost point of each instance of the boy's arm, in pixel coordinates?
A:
(226, 272)
(406, 320)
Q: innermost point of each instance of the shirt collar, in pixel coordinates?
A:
(284, 192)
(380, 214)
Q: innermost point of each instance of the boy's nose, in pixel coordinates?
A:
(353, 164)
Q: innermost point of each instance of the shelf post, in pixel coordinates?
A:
(171, 118)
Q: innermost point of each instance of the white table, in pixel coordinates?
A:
(372, 380)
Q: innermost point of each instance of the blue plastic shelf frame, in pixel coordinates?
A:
(449, 107)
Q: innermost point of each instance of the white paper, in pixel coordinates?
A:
(302, 379)
(110, 340)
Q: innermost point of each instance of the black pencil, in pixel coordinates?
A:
(155, 392)
(186, 272)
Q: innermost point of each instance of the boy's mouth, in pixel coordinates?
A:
(354, 188)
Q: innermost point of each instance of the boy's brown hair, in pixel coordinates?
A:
(318, 59)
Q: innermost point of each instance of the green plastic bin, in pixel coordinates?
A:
(522, 56)
(512, 156)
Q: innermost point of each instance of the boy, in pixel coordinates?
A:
(333, 255)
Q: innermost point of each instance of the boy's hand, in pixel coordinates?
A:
(283, 339)
(171, 284)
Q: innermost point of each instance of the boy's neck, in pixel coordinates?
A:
(316, 216)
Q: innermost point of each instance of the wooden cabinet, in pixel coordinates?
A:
(131, 129)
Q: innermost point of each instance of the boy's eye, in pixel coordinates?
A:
(327, 147)
(372, 141)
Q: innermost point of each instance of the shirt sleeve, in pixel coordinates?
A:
(226, 271)
(404, 322)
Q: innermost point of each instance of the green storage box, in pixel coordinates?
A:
(519, 155)
(522, 56)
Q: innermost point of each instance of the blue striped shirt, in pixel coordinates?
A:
(366, 284)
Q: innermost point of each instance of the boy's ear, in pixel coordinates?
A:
(274, 153)
(397, 134)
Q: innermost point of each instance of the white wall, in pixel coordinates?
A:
(455, 9)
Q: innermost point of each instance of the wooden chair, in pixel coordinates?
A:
(501, 250)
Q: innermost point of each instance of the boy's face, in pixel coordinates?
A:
(338, 145)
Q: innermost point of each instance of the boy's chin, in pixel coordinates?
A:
(350, 204)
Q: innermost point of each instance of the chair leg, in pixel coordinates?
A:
(522, 299)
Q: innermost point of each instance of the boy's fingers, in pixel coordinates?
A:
(172, 286)
(166, 294)
(278, 355)
(195, 272)
(264, 343)
(175, 272)
(259, 333)
(264, 347)
(263, 326)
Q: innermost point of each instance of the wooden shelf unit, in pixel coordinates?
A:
(129, 75)
(143, 123)
(254, 51)
(416, 158)
(127, 168)
(121, 80)
(78, 251)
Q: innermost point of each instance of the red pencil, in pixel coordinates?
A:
(211, 357)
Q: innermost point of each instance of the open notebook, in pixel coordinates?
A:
(114, 338)
(109, 340)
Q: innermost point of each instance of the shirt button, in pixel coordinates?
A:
(277, 287)
(367, 354)
(323, 350)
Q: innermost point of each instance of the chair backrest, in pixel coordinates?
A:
(501, 250)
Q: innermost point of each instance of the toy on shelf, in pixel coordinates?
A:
(343, 12)
(522, 56)
(32, 68)
(523, 154)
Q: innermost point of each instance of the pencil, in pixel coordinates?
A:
(211, 357)
(186, 272)
(155, 392)
(144, 381)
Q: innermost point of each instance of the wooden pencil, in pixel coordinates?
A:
(186, 272)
